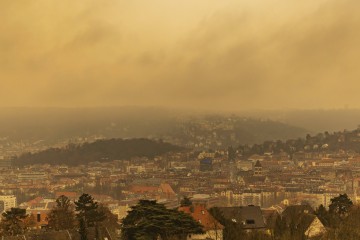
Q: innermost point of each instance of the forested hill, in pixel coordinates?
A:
(101, 151)
(348, 141)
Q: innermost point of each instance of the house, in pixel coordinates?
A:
(249, 217)
(303, 217)
(39, 208)
(212, 228)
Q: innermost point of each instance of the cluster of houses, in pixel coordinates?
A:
(249, 218)
(263, 186)
(253, 218)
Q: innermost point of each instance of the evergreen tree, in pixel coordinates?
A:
(323, 215)
(62, 216)
(87, 209)
(82, 229)
(340, 206)
(12, 222)
(150, 220)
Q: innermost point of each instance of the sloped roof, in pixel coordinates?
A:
(200, 214)
(250, 217)
(166, 188)
(270, 216)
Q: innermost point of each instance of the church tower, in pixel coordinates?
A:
(258, 169)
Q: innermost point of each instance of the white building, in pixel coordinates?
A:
(9, 201)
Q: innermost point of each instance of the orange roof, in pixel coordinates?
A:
(200, 214)
(35, 200)
(143, 189)
(166, 188)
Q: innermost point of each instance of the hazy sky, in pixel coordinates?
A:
(235, 54)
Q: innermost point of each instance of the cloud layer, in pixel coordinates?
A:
(202, 54)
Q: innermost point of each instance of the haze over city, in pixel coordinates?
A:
(179, 120)
(228, 55)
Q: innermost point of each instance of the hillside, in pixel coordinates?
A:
(342, 141)
(101, 151)
(54, 125)
(214, 131)
(314, 120)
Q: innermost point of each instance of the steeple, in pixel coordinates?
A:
(258, 169)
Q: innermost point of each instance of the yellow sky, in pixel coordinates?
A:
(235, 54)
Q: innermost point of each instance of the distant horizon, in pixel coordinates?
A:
(313, 120)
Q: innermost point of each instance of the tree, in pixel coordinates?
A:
(323, 215)
(12, 222)
(150, 220)
(340, 206)
(348, 228)
(185, 202)
(88, 210)
(62, 216)
(82, 229)
(110, 221)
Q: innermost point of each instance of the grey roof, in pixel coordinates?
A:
(250, 217)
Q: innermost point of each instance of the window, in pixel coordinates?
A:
(250, 221)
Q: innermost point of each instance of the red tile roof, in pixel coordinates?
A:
(200, 214)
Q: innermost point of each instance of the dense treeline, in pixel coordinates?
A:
(322, 142)
(101, 151)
